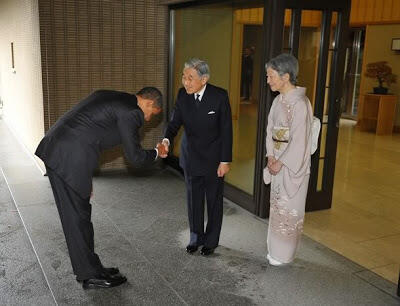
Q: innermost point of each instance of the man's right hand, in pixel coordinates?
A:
(165, 142)
(162, 149)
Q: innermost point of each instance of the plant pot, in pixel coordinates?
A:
(380, 90)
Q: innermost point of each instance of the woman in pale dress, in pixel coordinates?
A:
(288, 145)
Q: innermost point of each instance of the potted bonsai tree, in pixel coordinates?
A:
(383, 73)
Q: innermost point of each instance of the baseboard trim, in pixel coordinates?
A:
(16, 136)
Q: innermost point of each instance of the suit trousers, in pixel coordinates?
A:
(199, 188)
(75, 214)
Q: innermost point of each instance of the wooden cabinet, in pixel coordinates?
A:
(377, 113)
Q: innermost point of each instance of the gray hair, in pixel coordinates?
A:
(199, 65)
(285, 63)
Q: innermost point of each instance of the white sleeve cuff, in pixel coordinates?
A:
(166, 140)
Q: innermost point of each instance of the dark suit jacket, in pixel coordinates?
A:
(102, 120)
(207, 139)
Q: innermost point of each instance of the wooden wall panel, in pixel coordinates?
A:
(396, 10)
(368, 7)
(354, 13)
(94, 44)
(363, 12)
(387, 10)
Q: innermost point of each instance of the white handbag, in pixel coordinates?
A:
(315, 129)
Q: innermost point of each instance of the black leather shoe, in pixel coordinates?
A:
(110, 271)
(191, 248)
(206, 251)
(103, 281)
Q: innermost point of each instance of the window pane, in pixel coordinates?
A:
(320, 174)
(309, 51)
(230, 39)
(194, 29)
(324, 129)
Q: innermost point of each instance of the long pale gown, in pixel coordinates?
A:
(289, 140)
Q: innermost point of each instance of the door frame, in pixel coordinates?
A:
(231, 192)
(273, 29)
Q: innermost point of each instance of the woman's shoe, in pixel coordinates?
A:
(274, 262)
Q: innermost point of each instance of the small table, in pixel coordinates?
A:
(377, 113)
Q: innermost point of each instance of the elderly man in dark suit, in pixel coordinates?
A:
(70, 151)
(206, 151)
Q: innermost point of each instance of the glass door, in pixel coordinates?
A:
(314, 33)
(229, 36)
(353, 64)
(224, 33)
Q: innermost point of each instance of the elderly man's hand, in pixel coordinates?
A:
(223, 169)
(162, 150)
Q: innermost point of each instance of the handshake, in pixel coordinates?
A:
(163, 148)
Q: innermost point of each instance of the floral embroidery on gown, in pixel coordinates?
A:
(289, 140)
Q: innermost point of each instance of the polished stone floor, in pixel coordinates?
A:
(364, 221)
(141, 226)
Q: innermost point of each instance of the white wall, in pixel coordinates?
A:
(21, 90)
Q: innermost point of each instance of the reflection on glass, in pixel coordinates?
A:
(326, 106)
(309, 49)
(308, 54)
(245, 123)
(320, 174)
(286, 31)
(353, 65)
(328, 70)
(322, 146)
(333, 32)
(230, 40)
(194, 29)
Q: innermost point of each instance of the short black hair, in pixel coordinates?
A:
(151, 93)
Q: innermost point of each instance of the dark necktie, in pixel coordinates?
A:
(197, 100)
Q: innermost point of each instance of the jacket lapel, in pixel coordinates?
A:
(206, 97)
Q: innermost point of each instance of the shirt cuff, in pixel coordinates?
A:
(224, 163)
(156, 153)
(167, 140)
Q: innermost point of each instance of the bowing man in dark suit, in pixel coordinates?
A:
(206, 151)
(70, 151)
